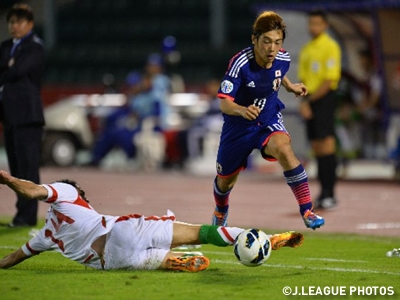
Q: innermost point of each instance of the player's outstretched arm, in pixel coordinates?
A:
(13, 259)
(299, 89)
(229, 107)
(24, 188)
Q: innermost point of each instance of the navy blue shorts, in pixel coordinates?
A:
(239, 140)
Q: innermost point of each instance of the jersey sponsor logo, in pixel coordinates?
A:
(226, 86)
(251, 84)
(276, 84)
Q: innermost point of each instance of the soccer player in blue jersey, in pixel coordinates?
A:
(253, 119)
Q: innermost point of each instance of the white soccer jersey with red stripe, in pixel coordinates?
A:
(72, 226)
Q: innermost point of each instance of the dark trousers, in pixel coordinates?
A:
(23, 147)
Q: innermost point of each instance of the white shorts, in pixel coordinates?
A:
(138, 243)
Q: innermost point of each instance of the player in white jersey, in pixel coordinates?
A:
(74, 229)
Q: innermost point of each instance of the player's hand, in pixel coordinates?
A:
(4, 177)
(299, 89)
(251, 112)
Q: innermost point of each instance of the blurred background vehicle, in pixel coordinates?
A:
(72, 123)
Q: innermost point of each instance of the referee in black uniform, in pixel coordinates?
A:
(21, 111)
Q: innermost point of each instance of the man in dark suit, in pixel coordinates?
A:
(21, 111)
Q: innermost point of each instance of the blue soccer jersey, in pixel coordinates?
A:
(247, 83)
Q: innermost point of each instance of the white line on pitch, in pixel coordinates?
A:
(336, 260)
(8, 247)
(219, 253)
(311, 258)
(312, 268)
(374, 226)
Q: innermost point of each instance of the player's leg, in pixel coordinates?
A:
(194, 261)
(186, 262)
(222, 189)
(27, 141)
(189, 234)
(234, 149)
(184, 233)
(278, 146)
(222, 236)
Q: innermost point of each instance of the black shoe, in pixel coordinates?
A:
(19, 225)
(317, 204)
(327, 203)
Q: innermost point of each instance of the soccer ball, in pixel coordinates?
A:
(252, 247)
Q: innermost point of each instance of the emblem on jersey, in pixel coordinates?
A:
(219, 168)
(315, 66)
(251, 84)
(278, 73)
(226, 86)
(276, 84)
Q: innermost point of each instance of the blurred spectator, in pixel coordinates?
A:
(211, 121)
(148, 140)
(367, 98)
(95, 113)
(360, 128)
(172, 58)
(393, 133)
(146, 104)
(124, 123)
(109, 84)
(347, 128)
(161, 85)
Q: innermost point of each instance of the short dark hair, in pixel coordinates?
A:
(21, 11)
(319, 13)
(267, 21)
(75, 185)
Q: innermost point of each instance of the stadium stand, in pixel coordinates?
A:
(115, 36)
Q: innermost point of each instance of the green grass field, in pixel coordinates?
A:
(329, 262)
